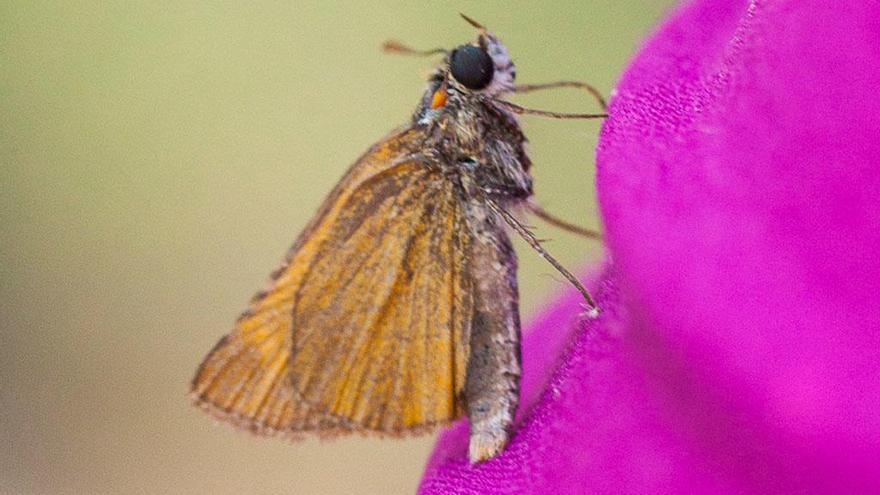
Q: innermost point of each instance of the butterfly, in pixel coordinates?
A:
(396, 309)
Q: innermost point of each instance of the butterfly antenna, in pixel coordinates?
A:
(473, 22)
(396, 47)
(536, 245)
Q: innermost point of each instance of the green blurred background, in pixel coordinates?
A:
(157, 158)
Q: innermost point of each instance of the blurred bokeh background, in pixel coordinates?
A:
(156, 160)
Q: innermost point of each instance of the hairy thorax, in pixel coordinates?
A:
(483, 144)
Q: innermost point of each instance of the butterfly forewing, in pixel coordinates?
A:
(244, 381)
(374, 302)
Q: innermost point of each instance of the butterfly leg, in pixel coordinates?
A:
(528, 88)
(530, 238)
(493, 372)
(562, 224)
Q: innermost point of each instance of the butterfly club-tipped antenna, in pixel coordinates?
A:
(399, 48)
(473, 23)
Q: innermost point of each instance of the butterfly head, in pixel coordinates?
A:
(482, 66)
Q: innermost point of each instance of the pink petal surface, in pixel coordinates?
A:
(739, 346)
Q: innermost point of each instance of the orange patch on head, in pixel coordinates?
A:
(439, 98)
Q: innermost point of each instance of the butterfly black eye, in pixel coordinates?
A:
(471, 66)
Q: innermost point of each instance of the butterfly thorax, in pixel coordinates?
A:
(473, 138)
(467, 132)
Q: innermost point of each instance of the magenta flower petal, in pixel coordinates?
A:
(739, 348)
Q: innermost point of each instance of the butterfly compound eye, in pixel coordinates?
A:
(471, 66)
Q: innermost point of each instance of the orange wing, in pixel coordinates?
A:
(366, 325)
